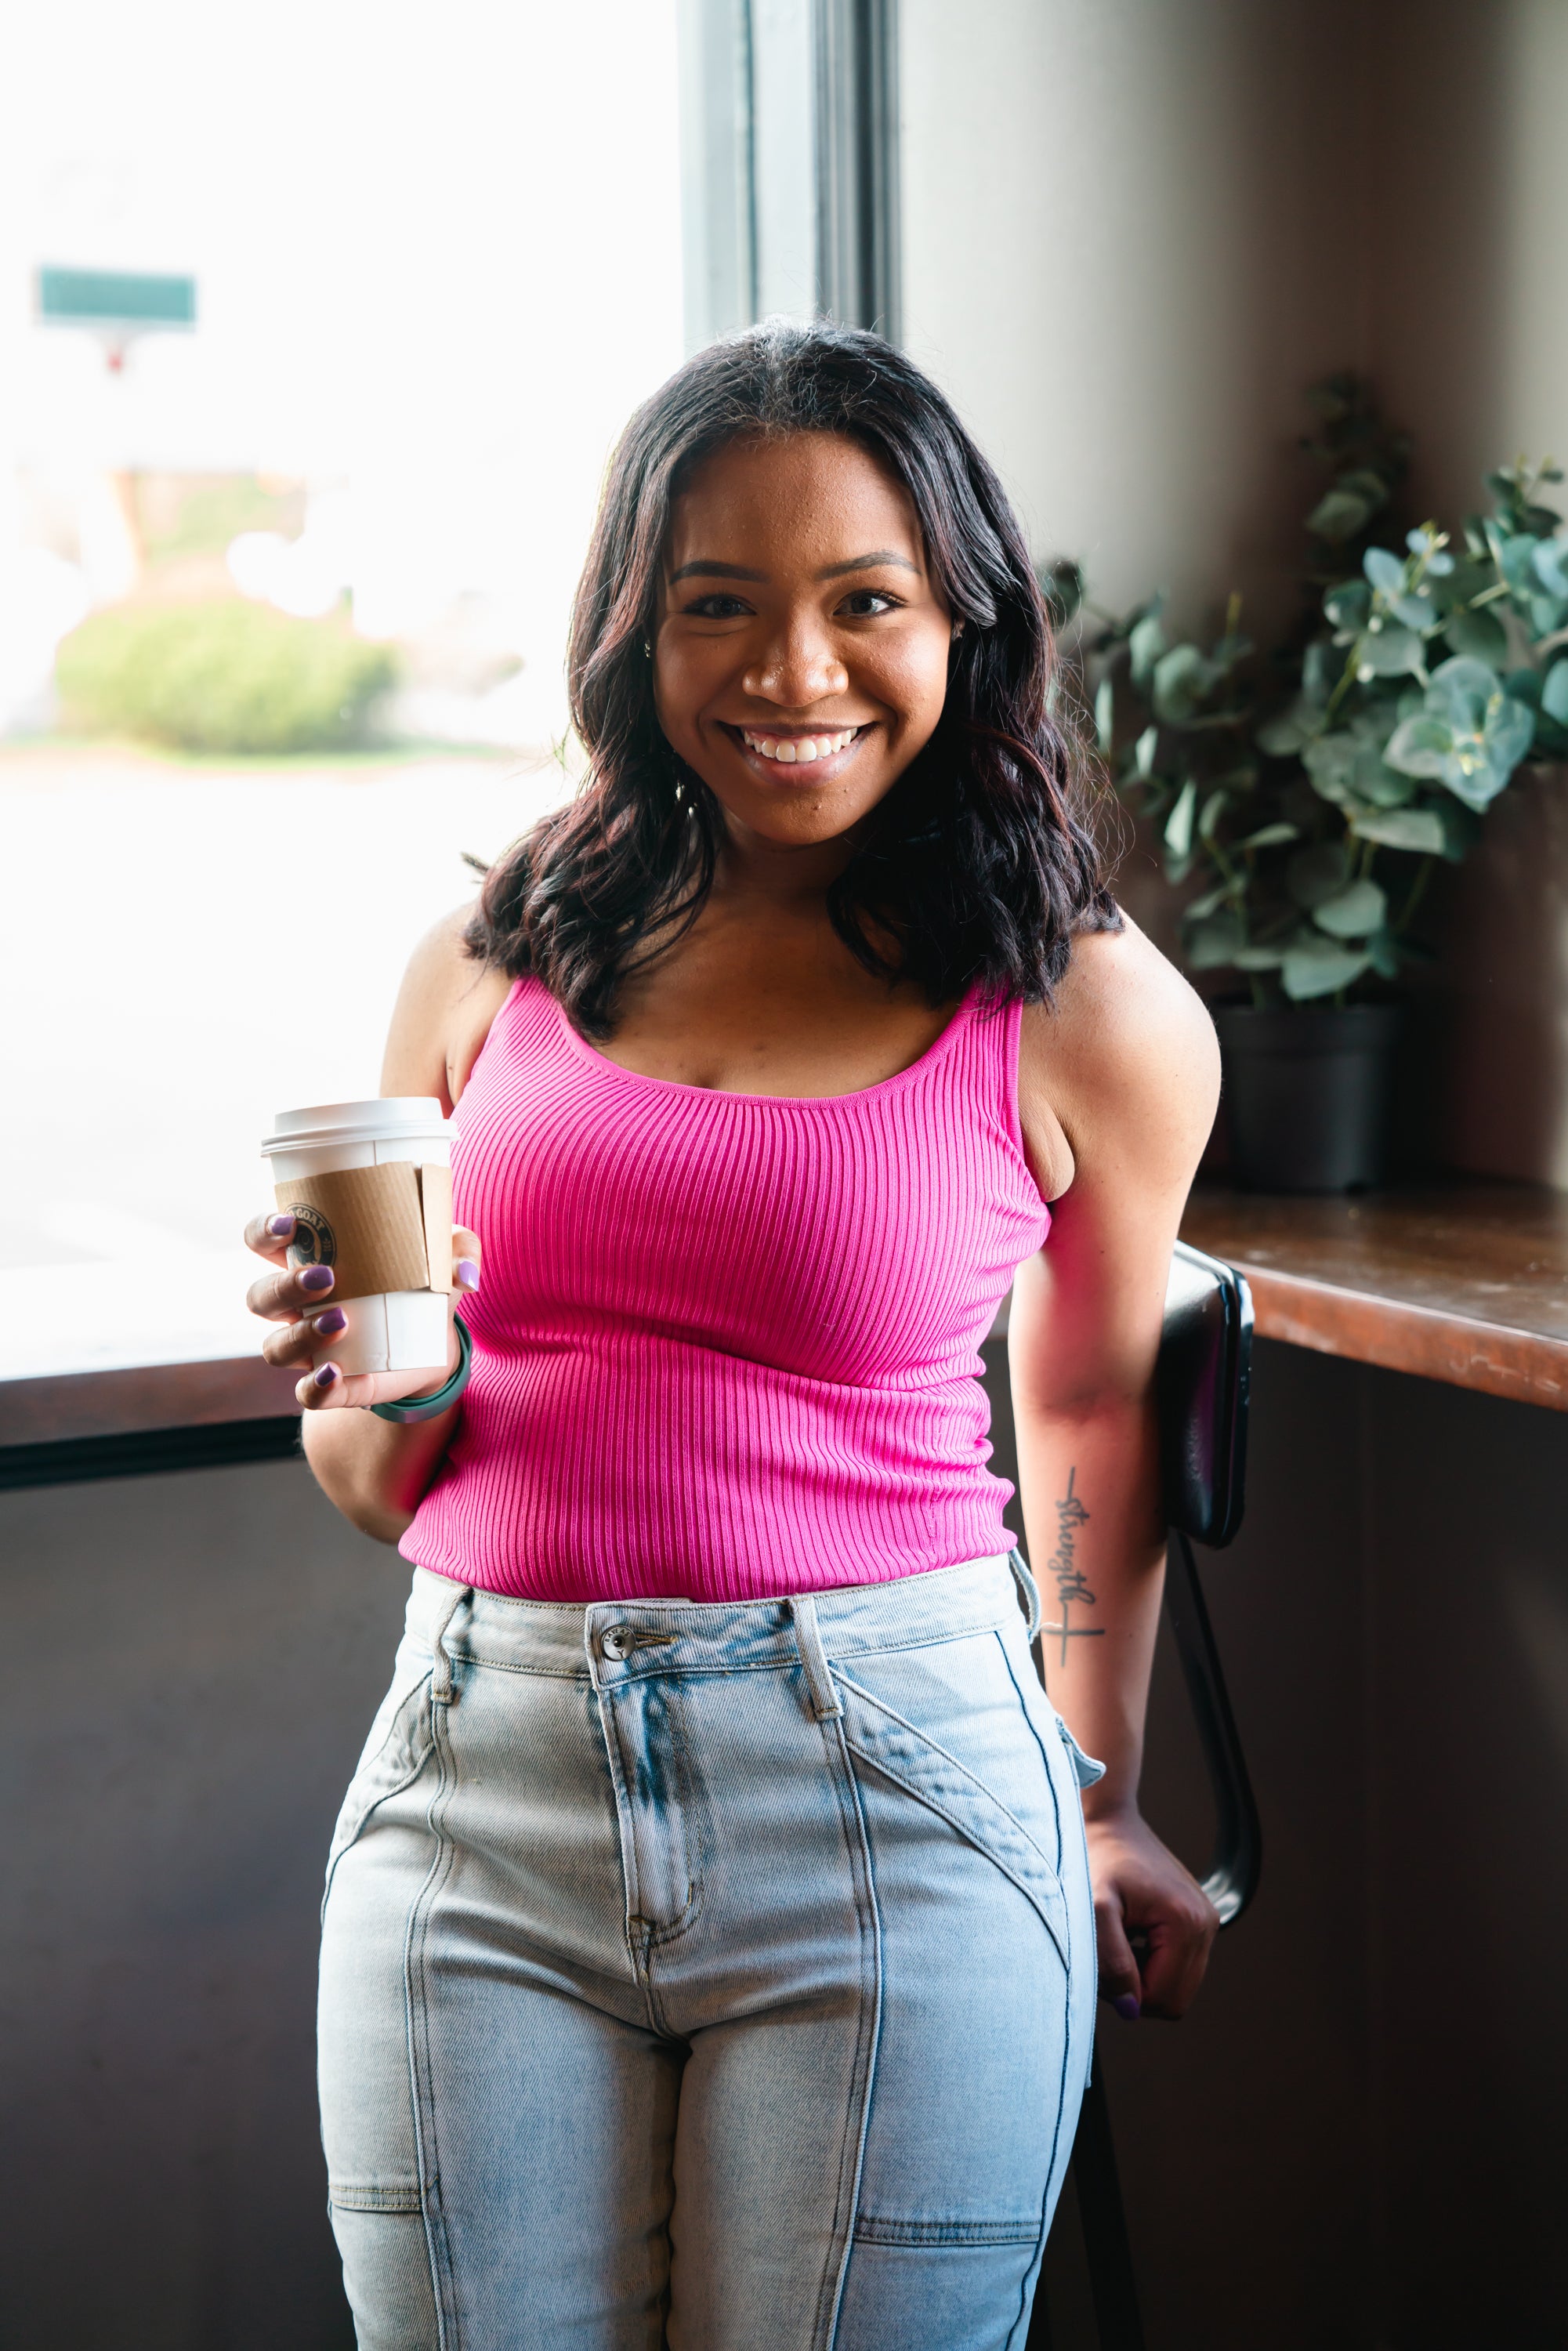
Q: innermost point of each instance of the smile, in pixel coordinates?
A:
(797, 750)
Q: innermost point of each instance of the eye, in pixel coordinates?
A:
(719, 606)
(869, 604)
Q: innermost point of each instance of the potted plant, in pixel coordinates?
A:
(1302, 802)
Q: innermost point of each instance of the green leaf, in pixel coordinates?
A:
(1388, 652)
(1104, 714)
(1315, 875)
(1178, 824)
(1143, 751)
(1348, 605)
(1480, 635)
(1258, 958)
(1271, 836)
(1181, 679)
(1215, 941)
(1145, 643)
(1339, 513)
(1214, 808)
(1320, 970)
(1218, 896)
(1386, 571)
(1550, 565)
(1419, 829)
(1461, 831)
(1417, 613)
(1508, 733)
(1421, 746)
(1330, 763)
(1383, 949)
(1554, 692)
(1361, 908)
(1288, 730)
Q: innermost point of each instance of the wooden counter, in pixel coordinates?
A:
(1460, 1281)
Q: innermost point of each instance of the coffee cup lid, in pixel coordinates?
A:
(393, 1118)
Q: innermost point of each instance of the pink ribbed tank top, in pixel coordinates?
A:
(727, 1346)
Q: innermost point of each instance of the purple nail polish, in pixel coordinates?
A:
(316, 1277)
(281, 1227)
(327, 1325)
(1127, 2007)
(467, 1274)
(326, 1375)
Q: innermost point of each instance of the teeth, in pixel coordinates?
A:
(798, 750)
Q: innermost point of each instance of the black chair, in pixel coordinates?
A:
(1205, 1370)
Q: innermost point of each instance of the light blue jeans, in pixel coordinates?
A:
(711, 1976)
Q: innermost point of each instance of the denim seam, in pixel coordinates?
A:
(1044, 1755)
(863, 2078)
(924, 1738)
(369, 1811)
(462, 1655)
(872, 2229)
(427, 2151)
(667, 1932)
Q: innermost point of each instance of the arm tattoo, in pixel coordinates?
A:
(1064, 1565)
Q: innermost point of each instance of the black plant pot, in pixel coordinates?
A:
(1307, 1089)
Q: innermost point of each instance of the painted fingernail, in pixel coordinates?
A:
(1127, 2007)
(316, 1277)
(326, 1376)
(467, 1274)
(281, 1227)
(327, 1325)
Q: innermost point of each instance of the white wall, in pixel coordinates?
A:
(1126, 241)
(1134, 230)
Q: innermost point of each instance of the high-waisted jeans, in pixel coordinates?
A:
(716, 1976)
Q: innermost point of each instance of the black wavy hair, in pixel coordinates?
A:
(979, 867)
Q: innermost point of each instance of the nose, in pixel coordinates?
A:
(797, 667)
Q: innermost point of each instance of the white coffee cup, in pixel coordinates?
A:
(396, 1330)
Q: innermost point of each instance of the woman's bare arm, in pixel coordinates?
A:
(1119, 1081)
(375, 1471)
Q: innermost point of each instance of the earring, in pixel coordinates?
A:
(647, 650)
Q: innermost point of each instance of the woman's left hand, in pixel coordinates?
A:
(1142, 1890)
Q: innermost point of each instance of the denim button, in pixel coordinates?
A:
(612, 1644)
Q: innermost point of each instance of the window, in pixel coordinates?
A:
(435, 261)
(323, 323)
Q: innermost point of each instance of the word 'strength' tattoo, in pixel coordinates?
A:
(1071, 1515)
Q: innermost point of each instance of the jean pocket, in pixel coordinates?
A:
(935, 1775)
(401, 1740)
(1087, 1768)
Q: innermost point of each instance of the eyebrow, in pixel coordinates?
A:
(708, 568)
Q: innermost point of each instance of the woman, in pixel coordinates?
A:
(709, 1947)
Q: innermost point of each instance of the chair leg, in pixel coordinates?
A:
(1117, 2319)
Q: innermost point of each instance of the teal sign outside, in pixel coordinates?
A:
(115, 298)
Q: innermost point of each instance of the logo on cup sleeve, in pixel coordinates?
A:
(314, 1242)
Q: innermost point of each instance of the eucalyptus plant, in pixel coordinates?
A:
(1310, 797)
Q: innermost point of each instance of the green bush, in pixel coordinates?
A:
(227, 676)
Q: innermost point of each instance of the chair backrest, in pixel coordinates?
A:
(1204, 1382)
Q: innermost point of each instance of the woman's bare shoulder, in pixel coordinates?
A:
(442, 1014)
(1126, 1055)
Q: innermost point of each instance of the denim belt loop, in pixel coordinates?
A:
(825, 1701)
(441, 1688)
(1028, 1590)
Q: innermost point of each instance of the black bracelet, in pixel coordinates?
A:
(429, 1407)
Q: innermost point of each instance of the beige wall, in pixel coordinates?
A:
(1135, 229)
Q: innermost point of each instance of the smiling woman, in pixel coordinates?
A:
(799, 524)
(714, 1892)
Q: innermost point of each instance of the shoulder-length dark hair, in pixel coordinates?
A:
(979, 865)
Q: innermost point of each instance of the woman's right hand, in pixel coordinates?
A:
(297, 1302)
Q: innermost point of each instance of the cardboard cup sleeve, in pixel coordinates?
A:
(378, 1228)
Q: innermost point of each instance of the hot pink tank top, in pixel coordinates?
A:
(727, 1346)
